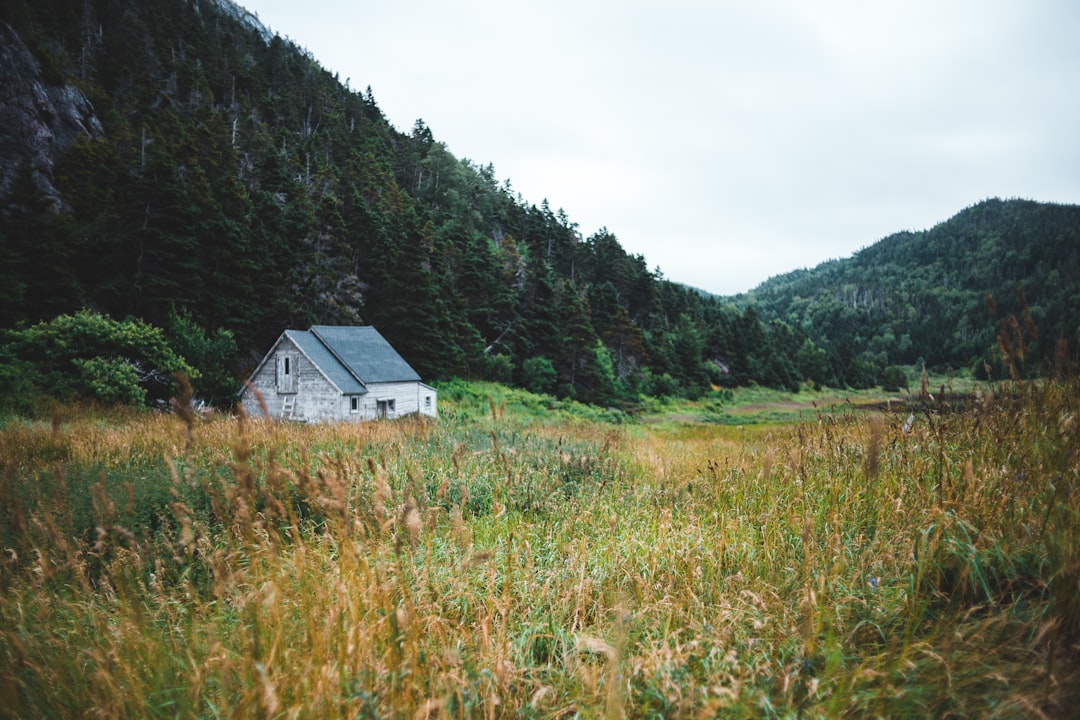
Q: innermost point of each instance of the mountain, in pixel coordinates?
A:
(39, 118)
(221, 176)
(173, 162)
(940, 295)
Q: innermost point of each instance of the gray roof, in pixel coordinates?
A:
(319, 354)
(364, 353)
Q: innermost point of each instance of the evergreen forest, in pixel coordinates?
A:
(227, 187)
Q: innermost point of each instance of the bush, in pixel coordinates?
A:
(111, 380)
(92, 357)
(893, 379)
(664, 386)
(499, 368)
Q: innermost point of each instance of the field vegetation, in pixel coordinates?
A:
(526, 557)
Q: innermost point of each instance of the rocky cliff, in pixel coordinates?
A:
(37, 119)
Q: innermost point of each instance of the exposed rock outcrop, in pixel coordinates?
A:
(245, 16)
(37, 119)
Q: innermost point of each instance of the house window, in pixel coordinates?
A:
(427, 402)
(288, 365)
(354, 404)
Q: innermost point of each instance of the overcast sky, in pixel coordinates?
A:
(727, 141)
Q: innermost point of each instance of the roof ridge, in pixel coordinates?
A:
(337, 356)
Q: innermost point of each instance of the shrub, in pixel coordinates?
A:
(90, 356)
(893, 379)
(210, 354)
(499, 368)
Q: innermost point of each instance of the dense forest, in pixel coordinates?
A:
(1005, 271)
(223, 186)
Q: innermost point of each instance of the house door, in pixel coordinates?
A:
(286, 373)
(385, 408)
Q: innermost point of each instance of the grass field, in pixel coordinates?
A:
(521, 557)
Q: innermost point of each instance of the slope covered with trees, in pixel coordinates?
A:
(1007, 270)
(233, 187)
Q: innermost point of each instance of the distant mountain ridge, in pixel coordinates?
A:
(924, 294)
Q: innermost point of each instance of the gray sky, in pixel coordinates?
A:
(727, 141)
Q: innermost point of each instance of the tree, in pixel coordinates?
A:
(89, 356)
(538, 375)
(212, 355)
(813, 363)
(893, 379)
(575, 358)
(37, 275)
(627, 345)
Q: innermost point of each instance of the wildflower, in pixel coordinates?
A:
(873, 583)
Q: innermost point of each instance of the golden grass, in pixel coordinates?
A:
(482, 567)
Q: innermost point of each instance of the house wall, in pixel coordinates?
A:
(408, 397)
(431, 409)
(316, 400)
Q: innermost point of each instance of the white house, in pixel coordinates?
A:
(332, 373)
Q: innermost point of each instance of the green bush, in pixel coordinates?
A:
(499, 368)
(92, 357)
(893, 379)
(111, 380)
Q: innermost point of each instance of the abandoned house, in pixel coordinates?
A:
(333, 373)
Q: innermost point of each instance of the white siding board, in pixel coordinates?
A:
(408, 398)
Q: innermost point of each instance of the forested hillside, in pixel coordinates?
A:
(172, 162)
(943, 296)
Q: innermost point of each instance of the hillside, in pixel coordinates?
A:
(221, 173)
(173, 162)
(941, 294)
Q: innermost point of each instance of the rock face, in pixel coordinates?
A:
(37, 120)
(245, 16)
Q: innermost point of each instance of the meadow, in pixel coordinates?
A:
(520, 557)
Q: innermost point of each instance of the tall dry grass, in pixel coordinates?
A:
(491, 567)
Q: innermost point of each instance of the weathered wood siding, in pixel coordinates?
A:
(315, 399)
(408, 397)
(428, 400)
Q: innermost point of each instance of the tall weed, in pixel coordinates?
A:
(497, 563)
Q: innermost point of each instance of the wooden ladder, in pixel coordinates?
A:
(288, 404)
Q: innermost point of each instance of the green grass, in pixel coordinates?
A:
(757, 405)
(520, 557)
(462, 400)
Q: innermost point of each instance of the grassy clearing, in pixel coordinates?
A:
(757, 405)
(518, 560)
